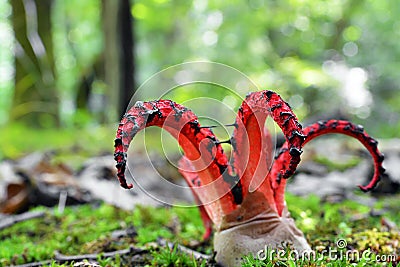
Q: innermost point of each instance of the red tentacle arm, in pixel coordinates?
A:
(277, 183)
(190, 175)
(199, 144)
(252, 145)
(328, 127)
(356, 131)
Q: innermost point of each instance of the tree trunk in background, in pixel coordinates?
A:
(118, 56)
(127, 55)
(35, 99)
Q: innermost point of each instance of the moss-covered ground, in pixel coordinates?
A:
(90, 229)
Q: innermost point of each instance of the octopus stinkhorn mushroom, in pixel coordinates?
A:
(242, 197)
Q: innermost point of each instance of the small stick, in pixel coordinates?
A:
(35, 264)
(224, 142)
(11, 220)
(65, 258)
(62, 201)
(215, 126)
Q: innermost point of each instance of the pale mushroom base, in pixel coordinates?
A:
(266, 230)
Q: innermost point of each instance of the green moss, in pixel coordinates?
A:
(87, 229)
(382, 242)
(173, 257)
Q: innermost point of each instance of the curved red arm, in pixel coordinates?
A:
(251, 141)
(191, 177)
(327, 127)
(199, 144)
(356, 131)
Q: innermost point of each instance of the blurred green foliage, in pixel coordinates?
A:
(70, 146)
(78, 44)
(326, 58)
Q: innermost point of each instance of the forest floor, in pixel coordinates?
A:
(103, 235)
(91, 221)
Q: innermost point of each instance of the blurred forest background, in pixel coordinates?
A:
(75, 64)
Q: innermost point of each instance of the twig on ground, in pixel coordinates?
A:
(13, 219)
(34, 264)
(61, 258)
(66, 258)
